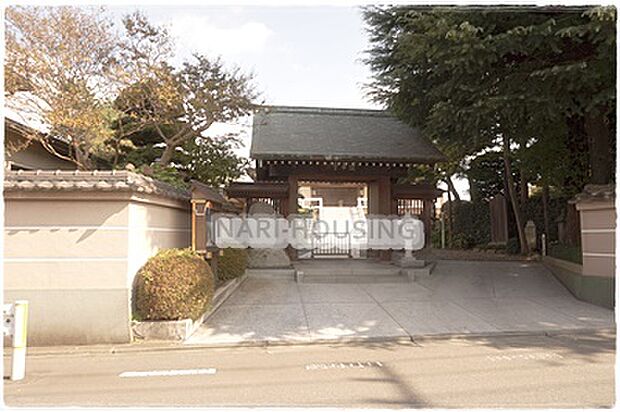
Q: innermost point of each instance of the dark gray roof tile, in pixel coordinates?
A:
(281, 132)
(96, 180)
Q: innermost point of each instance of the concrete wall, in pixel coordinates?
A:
(598, 290)
(74, 257)
(598, 237)
(594, 280)
(153, 226)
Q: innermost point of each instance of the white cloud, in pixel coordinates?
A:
(200, 34)
(242, 128)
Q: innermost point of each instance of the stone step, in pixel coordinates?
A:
(350, 267)
(392, 271)
(305, 278)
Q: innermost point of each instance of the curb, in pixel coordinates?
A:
(404, 339)
(509, 334)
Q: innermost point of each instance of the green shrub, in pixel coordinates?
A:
(436, 233)
(533, 210)
(174, 284)
(462, 241)
(166, 174)
(470, 223)
(513, 246)
(494, 247)
(232, 264)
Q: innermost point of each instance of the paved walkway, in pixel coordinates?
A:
(458, 298)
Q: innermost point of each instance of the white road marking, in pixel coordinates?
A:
(171, 372)
(343, 365)
(524, 356)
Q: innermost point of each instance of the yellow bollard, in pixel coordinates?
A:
(20, 333)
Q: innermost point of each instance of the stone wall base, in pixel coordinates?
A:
(76, 317)
(598, 290)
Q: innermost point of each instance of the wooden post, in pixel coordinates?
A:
(499, 219)
(291, 208)
(199, 233)
(193, 226)
(426, 219)
(385, 195)
(293, 187)
(385, 207)
(284, 211)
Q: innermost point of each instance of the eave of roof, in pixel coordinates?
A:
(61, 145)
(320, 133)
(204, 192)
(326, 110)
(89, 181)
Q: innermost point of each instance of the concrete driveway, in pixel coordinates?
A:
(458, 298)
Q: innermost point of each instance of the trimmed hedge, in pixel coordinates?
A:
(232, 264)
(174, 284)
(470, 223)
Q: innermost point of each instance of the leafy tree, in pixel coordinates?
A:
(477, 79)
(145, 149)
(212, 160)
(65, 66)
(57, 65)
(99, 89)
(181, 104)
(168, 174)
(144, 52)
(486, 177)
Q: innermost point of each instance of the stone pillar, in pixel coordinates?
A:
(598, 232)
(530, 234)
(597, 213)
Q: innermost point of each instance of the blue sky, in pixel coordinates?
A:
(300, 55)
(303, 56)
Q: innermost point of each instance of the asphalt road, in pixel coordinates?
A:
(565, 371)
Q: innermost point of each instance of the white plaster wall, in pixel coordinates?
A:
(74, 257)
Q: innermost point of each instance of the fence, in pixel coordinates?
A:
(410, 206)
(331, 244)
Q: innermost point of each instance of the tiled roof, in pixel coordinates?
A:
(593, 192)
(202, 191)
(282, 132)
(60, 145)
(104, 181)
